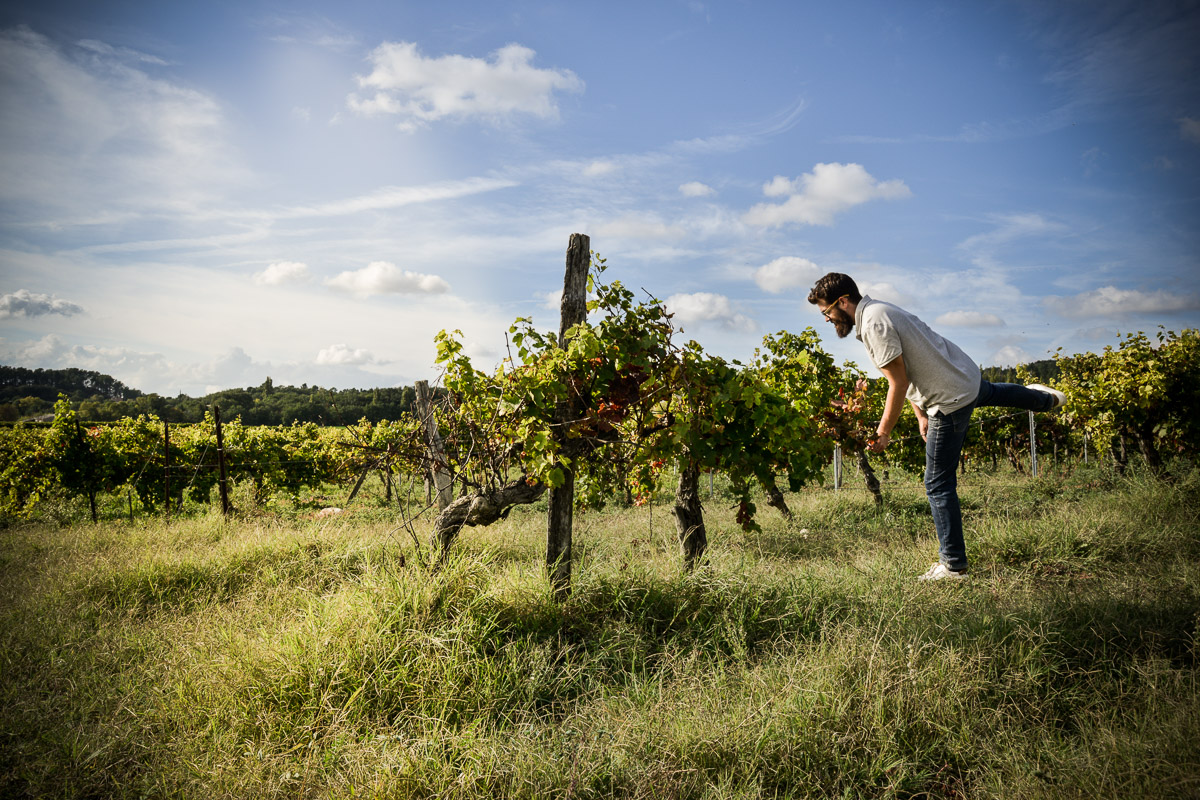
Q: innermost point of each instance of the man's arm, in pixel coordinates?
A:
(897, 378)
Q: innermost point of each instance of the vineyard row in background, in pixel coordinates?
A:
(160, 463)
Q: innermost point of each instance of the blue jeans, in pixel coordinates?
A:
(943, 448)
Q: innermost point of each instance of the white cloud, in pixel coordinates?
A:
(24, 303)
(341, 354)
(1109, 301)
(885, 291)
(597, 168)
(1189, 129)
(779, 186)
(550, 300)
(788, 272)
(640, 226)
(816, 197)
(384, 277)
(1010, 356)
(969, 319)
(708, 307)
(696, 189)
(337, 366)
(51, 352)
(282, 272)
(421, 90)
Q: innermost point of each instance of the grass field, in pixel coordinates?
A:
(287, 656)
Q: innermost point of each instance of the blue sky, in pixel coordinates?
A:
(196, 196)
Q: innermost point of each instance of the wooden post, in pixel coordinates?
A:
(837, 467)
(89, 476)
(1033, 471)
(433, 440)
(561, 501)
(689, 516)
(223, 479)
(167, 463)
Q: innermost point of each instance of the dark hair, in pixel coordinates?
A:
(833, 286)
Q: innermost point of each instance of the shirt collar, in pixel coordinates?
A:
(858, 312)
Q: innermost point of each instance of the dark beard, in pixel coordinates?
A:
(842, 323)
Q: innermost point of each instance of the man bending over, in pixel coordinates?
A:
(943, 386)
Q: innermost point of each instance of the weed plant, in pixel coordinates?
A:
(282, 655)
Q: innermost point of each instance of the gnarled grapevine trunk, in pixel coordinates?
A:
(1145, 442)
(481, 508)
(775, 499)
(869, 476)
(689, 515)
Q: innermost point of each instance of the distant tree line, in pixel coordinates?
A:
(1045, 371)
(31, 393)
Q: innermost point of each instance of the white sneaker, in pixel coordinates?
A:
(940, 571)
(1060, 399)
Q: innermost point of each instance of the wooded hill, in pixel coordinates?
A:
(29, 393)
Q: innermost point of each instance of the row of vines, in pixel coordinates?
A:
(158, 465)
(614, 405)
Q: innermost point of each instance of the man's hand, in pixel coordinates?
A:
(922, 419)
(880, 441)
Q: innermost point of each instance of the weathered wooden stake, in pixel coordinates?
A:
(89, 470)
(167, 463)
(1033, 467)
(433, 440)
(689, 516)
(837, 467)
(223, 479)
(560, 515)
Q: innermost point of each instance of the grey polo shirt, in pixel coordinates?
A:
(942, 378)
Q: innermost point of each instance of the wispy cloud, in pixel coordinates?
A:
(980, 131)
(1189, 129)
(639, 227)
(1118, 54)
(420, 89)
(969, 319)
(1109, 301)
(816, 197)
(123, 53)
(392, 197)
(24, 303)
(1009, 227)
(745, 135)
(85, 127)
